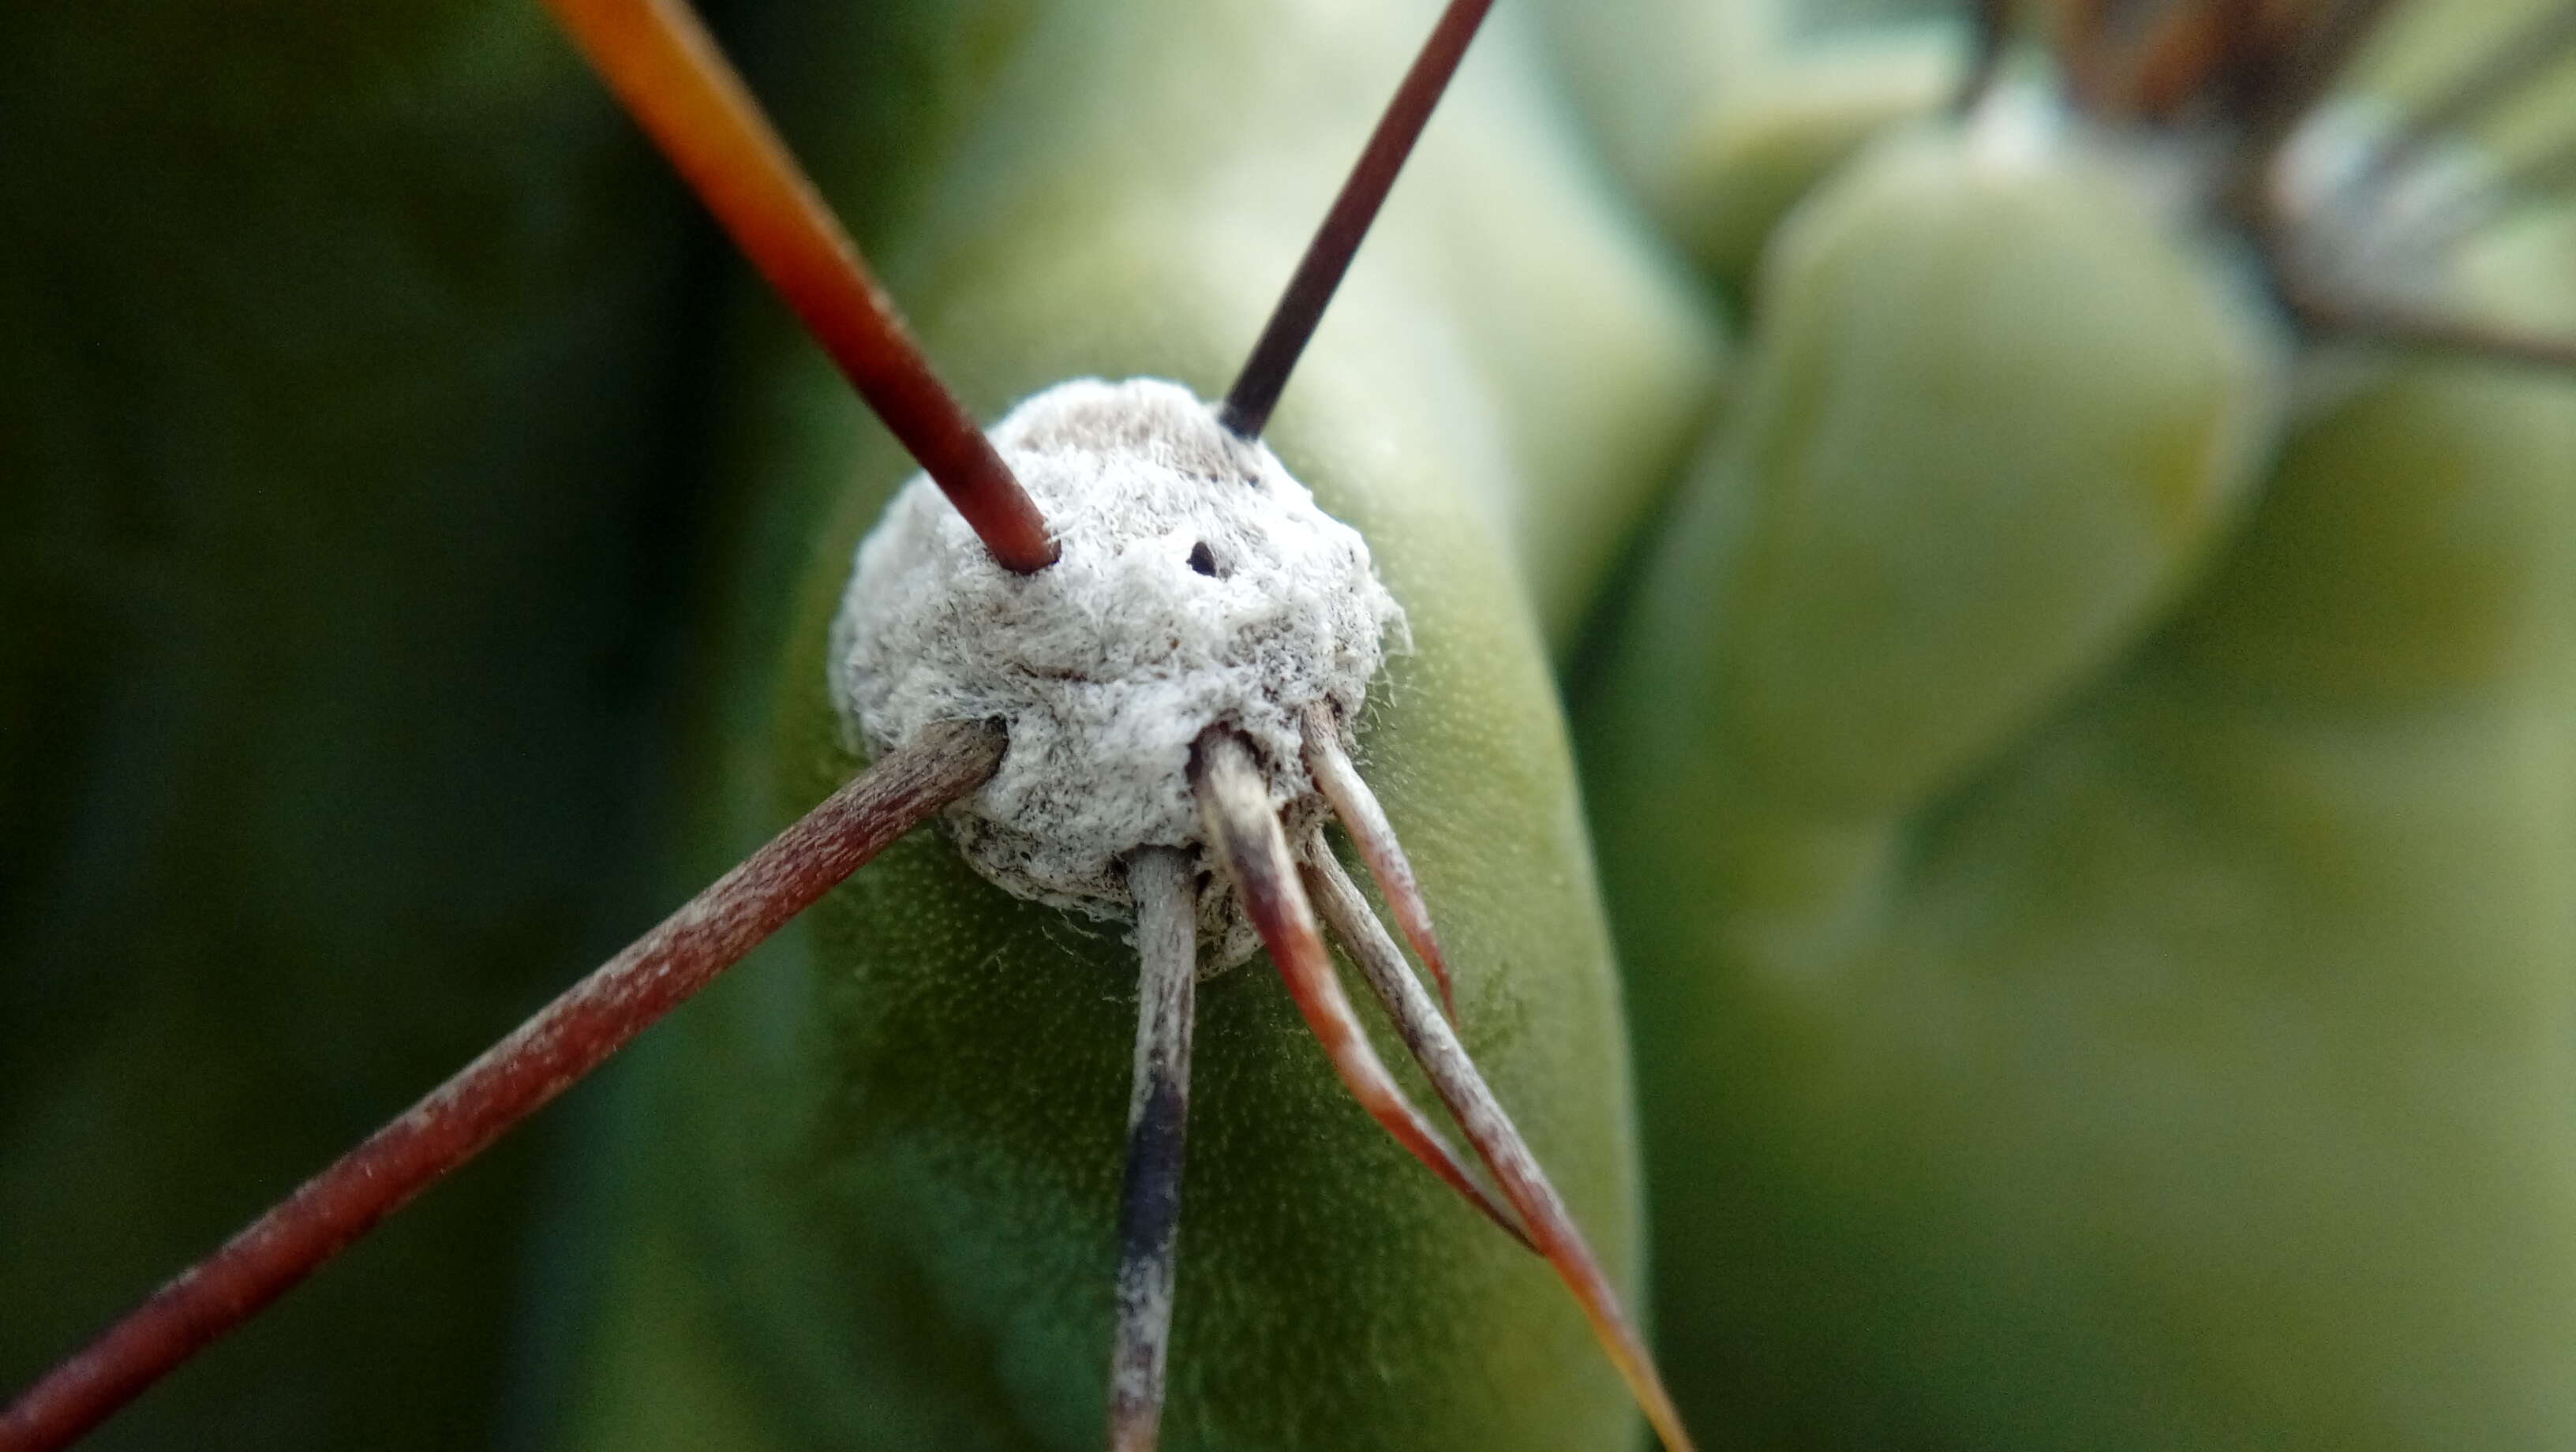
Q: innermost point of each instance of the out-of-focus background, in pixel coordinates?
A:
(344, 496)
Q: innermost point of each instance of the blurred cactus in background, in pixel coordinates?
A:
(2084, 780)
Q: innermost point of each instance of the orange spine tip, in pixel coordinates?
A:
(659, 59)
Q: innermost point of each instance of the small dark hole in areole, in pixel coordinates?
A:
(1203, 559)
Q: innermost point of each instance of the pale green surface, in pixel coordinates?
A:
(1721, 116)
(2425, 47)
(2181, 1059)
(892, 1146)
(1746, 164)
(1994, 419)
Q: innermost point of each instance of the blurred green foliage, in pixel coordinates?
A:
(341, 402)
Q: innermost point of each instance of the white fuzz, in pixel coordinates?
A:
(1198, 584)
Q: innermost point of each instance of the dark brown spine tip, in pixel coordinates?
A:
(1245, 411)
(1158, 1104)
(540, 1059)
(659, 59)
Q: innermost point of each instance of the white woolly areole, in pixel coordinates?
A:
(1198, 584)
